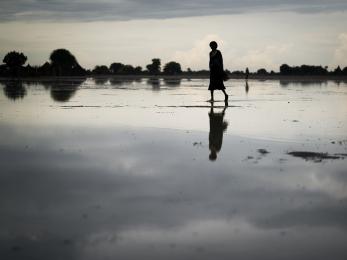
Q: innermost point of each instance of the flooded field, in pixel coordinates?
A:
(147, 169)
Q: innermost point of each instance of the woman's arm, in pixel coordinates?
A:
(221, 61)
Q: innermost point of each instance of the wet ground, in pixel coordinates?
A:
(147, 169)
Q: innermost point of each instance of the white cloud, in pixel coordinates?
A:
(268, 57)
(198, 56)
(340, 54)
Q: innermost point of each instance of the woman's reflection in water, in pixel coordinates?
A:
(217, 128)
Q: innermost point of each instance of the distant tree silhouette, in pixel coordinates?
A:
(172, 68)
(65, 64)
(337, 71)
(4, 70)
(285, 69)
(237, 72)
(128, 70)
(122, 69)
(138, 70)
(262, 71)
(30, 71)
(14, 60)
(45, 69)
(154, 68)
(116, 67)
(101, 70)
(303, 70)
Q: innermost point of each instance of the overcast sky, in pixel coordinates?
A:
(253, 33)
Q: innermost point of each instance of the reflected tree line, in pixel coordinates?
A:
(310, 82)
(62, 90)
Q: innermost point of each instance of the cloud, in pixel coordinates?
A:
(105, 185)
(262, 58)
(197, 56)
(340, 54)
(148, 9)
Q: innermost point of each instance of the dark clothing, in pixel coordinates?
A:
(216, 71)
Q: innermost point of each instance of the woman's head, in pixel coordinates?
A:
(213, 45)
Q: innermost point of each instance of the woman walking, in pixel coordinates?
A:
(217, 73)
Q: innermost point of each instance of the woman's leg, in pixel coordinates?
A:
(211, 95)
(225, 95)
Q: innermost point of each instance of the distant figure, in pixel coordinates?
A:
(217, 128)
(247, 87)
(216, 71)
(247, 74)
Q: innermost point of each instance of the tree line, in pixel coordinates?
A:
(63, 63)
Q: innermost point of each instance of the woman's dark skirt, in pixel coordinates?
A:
(216, 81)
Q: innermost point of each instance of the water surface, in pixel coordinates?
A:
(141, 169)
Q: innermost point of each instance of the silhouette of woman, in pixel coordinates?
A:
(216, 71)
(217, 128)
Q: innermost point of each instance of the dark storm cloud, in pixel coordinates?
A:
(145, 9)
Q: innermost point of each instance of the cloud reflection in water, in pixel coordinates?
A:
(135, 193)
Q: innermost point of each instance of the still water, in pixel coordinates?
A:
(147, 169)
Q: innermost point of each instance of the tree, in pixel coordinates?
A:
(154, 68)
(15, 60)
(138, 70)
(45, 69)
(303, 70)
(63, 62)
(3, 70)
(285, 69)
(101, 70)
(128, 69)
(338, 71)
(172, 68)
(116, 67)
(262, 72)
